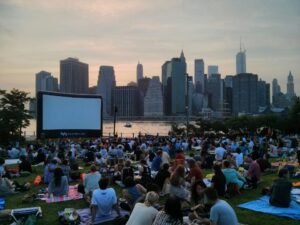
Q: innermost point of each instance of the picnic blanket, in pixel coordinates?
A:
(282, 163)
(262, 205)
(86, 216)
(72, 195)
(296, 184)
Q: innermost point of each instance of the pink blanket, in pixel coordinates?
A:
(72, 195)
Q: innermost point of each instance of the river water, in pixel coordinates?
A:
(143, 127)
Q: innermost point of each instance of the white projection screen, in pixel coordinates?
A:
(68, 115)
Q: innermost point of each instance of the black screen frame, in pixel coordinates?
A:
(66, 133)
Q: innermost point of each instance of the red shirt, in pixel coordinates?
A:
(195, 172)
(254, 170)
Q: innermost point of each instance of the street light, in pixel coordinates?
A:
(115, 115)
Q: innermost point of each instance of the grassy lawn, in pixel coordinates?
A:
(50, 210)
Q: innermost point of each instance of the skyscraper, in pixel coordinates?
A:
(275, 90)
(215, 91)
(139, 72)
(106, 84)
(126, 99)
(74, 76)
(199, 76)
(212, 69)
(44, 81)
(52, 84)
(40, 80)
(165, 72)
(190, 93)
(244, 93)
(290, 86)
(241, 61)
(178, 85)
(263, 93)
(153, 101)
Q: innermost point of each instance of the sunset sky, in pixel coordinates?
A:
(36, 34)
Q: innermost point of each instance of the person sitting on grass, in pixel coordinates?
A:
(253, 173)
(157, 161)
(232, 176)
(127, 171)
(66, 168)
(133, 192)
(221, 213)
(25, 165)
(8, 187)
(198, 201)
(195, 171)
(59, 185)
(144, 213)
(171, 214)
(91, 182)
(162, 178)
(264, 163)
(49, 170)
(219, 180)
(178, 186)
(2, 167)
(280, 191)
(104, 199)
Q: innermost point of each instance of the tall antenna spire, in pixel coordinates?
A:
(240, 43)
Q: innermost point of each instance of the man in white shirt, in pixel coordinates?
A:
(104, 200)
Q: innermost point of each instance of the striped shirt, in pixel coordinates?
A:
(162, 218)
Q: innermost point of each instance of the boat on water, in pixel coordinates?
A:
(128, 125)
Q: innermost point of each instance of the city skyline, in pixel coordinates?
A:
(36, 35)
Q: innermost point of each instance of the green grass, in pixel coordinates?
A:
(50, 210)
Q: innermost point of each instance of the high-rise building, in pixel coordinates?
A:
(74, 76)
(126, 99)
(178, 85)
(52, 84)
(199, 76)
(190, 93)
(290, 93)
(241, 61)
(165, 72)
(244, 93)
(166, 78)
(44, 81)
(153, 101)
(212, 69)
(139, 72)
(228, 81)
(263, 93)
(215, 92)
(106, 84)
(275, 89)
(228, 84)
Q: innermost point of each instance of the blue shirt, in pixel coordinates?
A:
(91, 181)
(104, 200)
(155, 166)
(221, 213)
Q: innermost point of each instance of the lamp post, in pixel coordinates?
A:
(115, 116)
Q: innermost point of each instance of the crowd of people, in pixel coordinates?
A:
(148, 169)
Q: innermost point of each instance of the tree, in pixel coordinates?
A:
(13, 115)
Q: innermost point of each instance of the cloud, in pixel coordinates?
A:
(36, 34)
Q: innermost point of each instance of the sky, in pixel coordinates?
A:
(36, 34)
